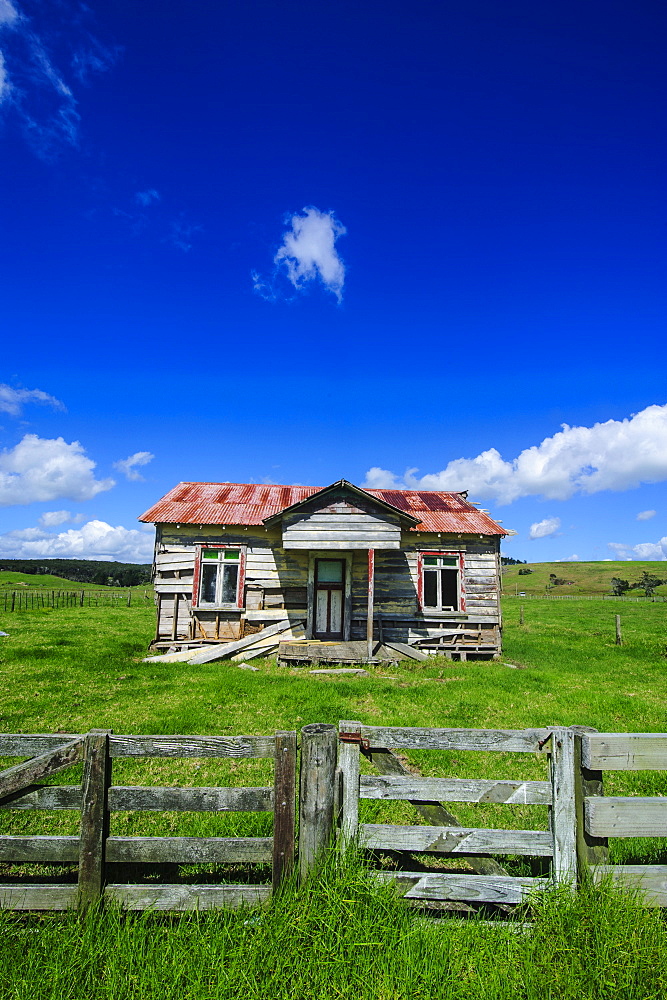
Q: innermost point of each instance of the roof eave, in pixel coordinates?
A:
(274, 518)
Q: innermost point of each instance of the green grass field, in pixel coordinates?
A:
(583, 578)
(75, 669)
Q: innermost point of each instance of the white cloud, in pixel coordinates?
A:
(646, 515)
(33, 80)
(44, 469)
(53, 518)
(128, 465)
(94, 540)
(145, 198)
(573, 558)
(543, 529)
(644, 550)
(308, 253)
(12, 400)
(615, 455)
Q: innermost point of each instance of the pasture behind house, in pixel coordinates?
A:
(408, 566)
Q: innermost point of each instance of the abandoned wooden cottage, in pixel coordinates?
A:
(353, 568)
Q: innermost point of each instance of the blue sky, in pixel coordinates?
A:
(403, 244)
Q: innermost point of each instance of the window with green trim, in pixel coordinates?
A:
(219, 577)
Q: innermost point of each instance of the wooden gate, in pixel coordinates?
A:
(94, 849)
(485, 885)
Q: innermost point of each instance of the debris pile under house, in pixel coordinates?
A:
(333, 575)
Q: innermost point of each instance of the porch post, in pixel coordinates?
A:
(371, 594)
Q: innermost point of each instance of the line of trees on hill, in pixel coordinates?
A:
(647, 583)
(104, 574)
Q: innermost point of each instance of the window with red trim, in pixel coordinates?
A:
(440, 579)
(219, 576)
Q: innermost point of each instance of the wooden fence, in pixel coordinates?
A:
(34, 599)
(580, 817)
(94, 850)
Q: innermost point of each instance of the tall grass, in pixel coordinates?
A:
(344, 936)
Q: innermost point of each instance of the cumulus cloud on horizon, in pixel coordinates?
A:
(644, 550)
(128, 466)
(614, 455)
(13, 400)
(94, 540)
(46, 469)
(308, 253)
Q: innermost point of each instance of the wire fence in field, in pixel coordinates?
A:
(584, 597)
(34, 599)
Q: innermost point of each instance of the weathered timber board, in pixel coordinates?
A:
(624, 751)
(455, 840)
(649, 881)
(219, 652)
(39, 850)
(468, 888)
(45, 797)
(186, 897)
(189, 850)
(189, 799)
(13, 779)
(26, 896)
(521, 741)
(191, 746)
(389, 786)
(626, 817)
(33, 744)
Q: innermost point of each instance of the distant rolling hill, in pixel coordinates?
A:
(586, 577)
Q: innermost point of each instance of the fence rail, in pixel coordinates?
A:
(580, 817)
(34, 599)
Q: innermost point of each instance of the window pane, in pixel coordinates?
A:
(231, 554)
(431, 588)
(330, 570)
(449, 583)
(449, 561)
(208, 576)
(209, 554)
(230, 575)
(430, 560)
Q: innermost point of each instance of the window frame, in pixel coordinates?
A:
(237, 605)
(459, 570)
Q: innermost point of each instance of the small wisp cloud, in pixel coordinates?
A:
(544, 529)
(13, 400)
(128, 466)
(308, 254)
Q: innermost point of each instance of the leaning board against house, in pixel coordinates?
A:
(387, 565)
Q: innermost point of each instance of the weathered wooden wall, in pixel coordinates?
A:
(276, 587)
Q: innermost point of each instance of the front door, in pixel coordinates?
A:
(329, 598)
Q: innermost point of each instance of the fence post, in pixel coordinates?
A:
(619, 641)
(348, 764)
(319, 743)
(562, 810)
(590, 850)
(284, 795)
(94, 816)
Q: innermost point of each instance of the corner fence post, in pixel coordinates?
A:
(562, 810)
(590, 850)
(319, 743)
(284, 795)
(94, 816)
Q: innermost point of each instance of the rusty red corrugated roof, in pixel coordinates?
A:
(251, 503)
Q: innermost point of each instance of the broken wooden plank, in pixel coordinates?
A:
(470, 888)
(184, 897)
(455, 840)
(407, 651)
(226, 649)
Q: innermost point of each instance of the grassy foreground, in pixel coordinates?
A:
(75, 669)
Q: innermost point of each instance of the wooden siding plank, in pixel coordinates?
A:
(186, 897)
(520, 741)
(411, 788)
(189, 850)
(624, 751)
(455, 840)
(191, 746)
(626, 817)
(343, 545)
(467, 888)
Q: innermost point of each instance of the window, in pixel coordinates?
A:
(219, 577)
(441, 581)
